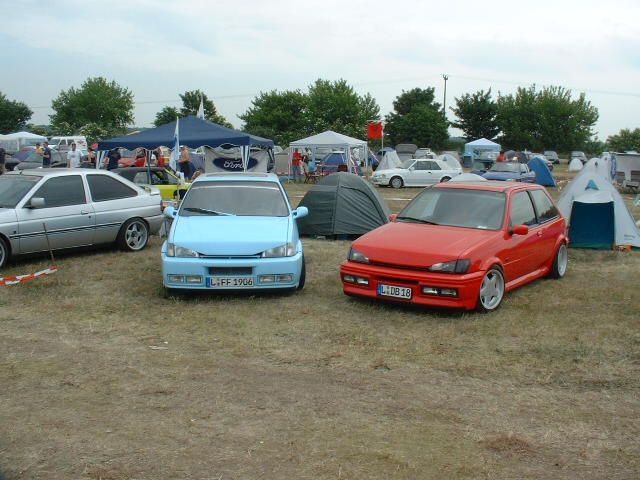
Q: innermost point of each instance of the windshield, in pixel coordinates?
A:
(456, 207)
(407, 163)
(505, 167)
(14, 187)
(246, 198)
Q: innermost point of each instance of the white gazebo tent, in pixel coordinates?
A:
(331, 139)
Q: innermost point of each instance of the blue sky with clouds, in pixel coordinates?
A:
(234, 49)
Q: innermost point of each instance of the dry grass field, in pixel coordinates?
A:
(101, 377)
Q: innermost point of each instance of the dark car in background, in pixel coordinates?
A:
(510, 172)
(552, 156)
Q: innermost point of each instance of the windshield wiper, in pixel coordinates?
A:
(419, 220)
(206, 211)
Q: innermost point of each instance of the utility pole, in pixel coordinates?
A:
(444, 106)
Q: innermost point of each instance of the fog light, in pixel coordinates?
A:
(194, 278)
(362, 281)
(267, 278)
(349, 279)
(430, 290)
(449, 292)
(175, 278)
(286, 278)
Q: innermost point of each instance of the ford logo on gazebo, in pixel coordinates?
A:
(233, 164)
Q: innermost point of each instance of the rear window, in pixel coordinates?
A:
(544, 206)
(105, 188)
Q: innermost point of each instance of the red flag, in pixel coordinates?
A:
(374, 130)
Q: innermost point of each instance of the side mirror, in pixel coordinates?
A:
(392, 217)
(519, 230)
(170, 212)
(300, 212)
(36, 202)
(412, 169)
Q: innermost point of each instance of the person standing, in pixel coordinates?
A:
(46, 155)
(113, 157)
(74, 157)
(2, 160)
(184, 164)
(39, 149)
(296, 165)
(501, 157)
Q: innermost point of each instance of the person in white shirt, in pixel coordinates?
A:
(74, 157)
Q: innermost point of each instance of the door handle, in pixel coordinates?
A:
(84, 212)
(539, 234)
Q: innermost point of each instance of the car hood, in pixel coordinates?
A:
(230, 235)
(420, 245)
(7, 215)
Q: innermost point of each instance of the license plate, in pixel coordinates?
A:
(230, 282)
(394, 291)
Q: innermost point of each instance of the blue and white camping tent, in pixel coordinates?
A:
(597, 214)
(544, 176)
(479, 148)
(332, 162)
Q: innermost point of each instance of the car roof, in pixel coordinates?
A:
(239, 176)
(136, 169)
(493, 186)
(54, 172)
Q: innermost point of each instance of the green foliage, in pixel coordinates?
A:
(94, 132)
(97, 101)
(191, 104)
(280, 116)
(627, 139)
(418, 119)
(476, 115)
(13, 115)
(290, 115)
(44, 130)
(545, 119)
(166, 115)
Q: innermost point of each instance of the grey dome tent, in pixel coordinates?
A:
(342, 204)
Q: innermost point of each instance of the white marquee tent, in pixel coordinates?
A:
(330, 139)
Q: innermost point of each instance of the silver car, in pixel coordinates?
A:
(65, 208)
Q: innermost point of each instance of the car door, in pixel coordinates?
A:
(66, 219)
(519, 255)
(421, 173)
(550, 227)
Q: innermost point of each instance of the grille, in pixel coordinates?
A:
(400, 267)
(230, 270)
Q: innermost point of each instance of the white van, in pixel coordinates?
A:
(63, 144)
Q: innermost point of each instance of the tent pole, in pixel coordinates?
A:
(148, 158)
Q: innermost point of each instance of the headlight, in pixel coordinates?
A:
(454, 266)
(381, 175)
(286, 250)
(356, 256)
(178, 251)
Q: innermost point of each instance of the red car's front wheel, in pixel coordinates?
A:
(491, 290)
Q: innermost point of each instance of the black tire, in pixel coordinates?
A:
(133, 235)
(445, 179)
(396, 182)
(560, 262)
(494, 285)
(4, 252)
(303, 275)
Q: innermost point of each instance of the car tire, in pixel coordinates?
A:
(396, 182)
(4, 252)
(445, 179)
(303, 275)
(560, 262)
(133, 235)
(491, 291)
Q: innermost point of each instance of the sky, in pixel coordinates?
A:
(233, 50)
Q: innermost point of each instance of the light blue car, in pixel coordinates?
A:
(234, 231)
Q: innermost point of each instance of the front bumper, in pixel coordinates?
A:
(379, 181)
(250, 268)
(467, 286)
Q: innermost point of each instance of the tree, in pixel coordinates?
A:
(336, 106)
(418, 119)
(476, 115)
(191, 104)
(13, 115)
(94, 132)
(280, 116)
(545, 119)
(97, 101)
(166, 115)
(627, 139)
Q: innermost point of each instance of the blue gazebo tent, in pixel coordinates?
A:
(544, 177)
(478, 149)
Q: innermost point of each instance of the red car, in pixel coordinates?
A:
(460, 245)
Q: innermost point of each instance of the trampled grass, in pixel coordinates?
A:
(101, 377)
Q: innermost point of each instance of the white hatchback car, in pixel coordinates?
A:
(416, 173)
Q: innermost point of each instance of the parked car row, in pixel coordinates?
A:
(415, 173)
